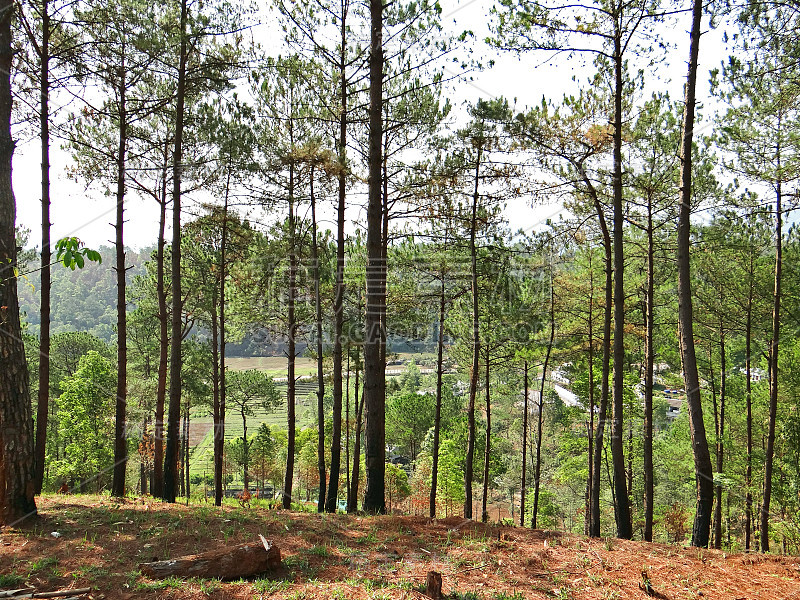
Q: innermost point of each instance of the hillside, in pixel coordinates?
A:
(100, 543)
(83, 299)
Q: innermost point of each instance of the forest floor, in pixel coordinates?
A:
(96, 542)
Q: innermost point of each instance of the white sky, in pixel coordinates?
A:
(88, 213)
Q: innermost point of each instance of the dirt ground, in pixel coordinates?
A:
(96, 542)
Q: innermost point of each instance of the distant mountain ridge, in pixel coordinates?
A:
(83, 299)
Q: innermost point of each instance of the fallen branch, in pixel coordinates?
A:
(62, 593)
(31, 593)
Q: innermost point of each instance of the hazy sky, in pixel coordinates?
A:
(88, 213)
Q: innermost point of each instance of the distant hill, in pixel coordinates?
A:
(83, 299)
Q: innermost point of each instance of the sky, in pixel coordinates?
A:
(524, 80)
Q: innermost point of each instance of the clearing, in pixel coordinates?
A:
(100, 543)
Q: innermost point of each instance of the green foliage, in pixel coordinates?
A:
(397, 488)
(85, 415)
(549, 513)
(71, 252)
(408, 418)
(82, 300)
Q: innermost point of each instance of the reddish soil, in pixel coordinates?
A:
(197, 433)
(100, 543)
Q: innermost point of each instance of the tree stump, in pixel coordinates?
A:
(433, 588)
(245, 560)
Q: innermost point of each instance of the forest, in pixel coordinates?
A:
(340, 313)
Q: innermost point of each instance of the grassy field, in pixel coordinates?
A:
(274, 365)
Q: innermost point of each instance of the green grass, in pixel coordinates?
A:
(161, 584)
(42, 566)
(323, 551)
(269, 586)
(10, 580)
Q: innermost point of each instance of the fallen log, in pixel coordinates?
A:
(245, 560)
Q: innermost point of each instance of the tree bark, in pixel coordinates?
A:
(245, 450)
(175, 363)
(157, 487)
(476, 345)
(374, 367)
(524, 446)
(590, 434)
(338, 301)
(219, 437)
(43, 405)
(186, 484)
(291, 350)
(748, 476)
(487, 447)
(623, 511)
(437, 420)
(606, 368)
(702, 460)
(720, 440)
(648, 381)
(120, 443)
(352, 503)
(320, 371)
(773, 369)
(219, 446)
(347, 429)
(538, 465)
(17, 485)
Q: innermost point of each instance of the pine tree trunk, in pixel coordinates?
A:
(17, 485)
(437, 421)
(219, 436)
(120, 443)
(606, 368)
(245, 452)
(702, 460)
(648, 382)
(43, 406)
(523, 484)
(538, 465)
(352, 503)
(720, 440)
(773, 369)
(223, 389)
(320, 371)
(374, 367)
(748, 476)
(487, 447)
(623, 511)
(590, 434)
(157, 487)
(476, 345)
(347, 430)
(175, 363)
(186, 452)
(291, 382)
(331, 503)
